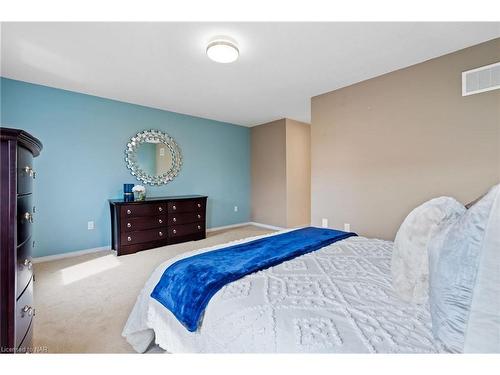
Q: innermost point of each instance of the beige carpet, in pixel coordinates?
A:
(82, 303)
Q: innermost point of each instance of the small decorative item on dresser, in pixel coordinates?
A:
(139, 192)
(128, 194)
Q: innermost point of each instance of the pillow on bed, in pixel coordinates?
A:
(462, 257)
(409, 268)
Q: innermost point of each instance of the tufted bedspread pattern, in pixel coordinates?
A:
(338, 299)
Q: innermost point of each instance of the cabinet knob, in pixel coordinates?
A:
(28, 170)
(28, 263)
(28, 217)
(129, 238)
(199, 216)
(27, 310)
(174, 219)
(160, 209)
(160, 221)
(174, 231)
(199, 205)
(129, 212)
(160, 233)
(129, 225)
(199, 227)
(174, 208)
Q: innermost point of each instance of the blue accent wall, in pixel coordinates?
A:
(82, 163)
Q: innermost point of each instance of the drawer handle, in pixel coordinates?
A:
(199, 216)
(174, 219)
(174, 231)
(129, 238)
(28, 170)
(27, 310)
(199, 205)
(199, 227)
(160, 233)
(160, 209)
(129, 225)
(28, 263)
(174, 208)
(28, 217)
(160, 221)
(129, 212)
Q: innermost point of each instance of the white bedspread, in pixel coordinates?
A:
(337, 299)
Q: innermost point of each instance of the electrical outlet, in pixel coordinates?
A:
(347, 227)
(90, 225)
(324, 223)
(235, 208)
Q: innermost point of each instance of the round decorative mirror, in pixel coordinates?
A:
(153, 157)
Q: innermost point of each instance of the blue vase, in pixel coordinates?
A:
(128, 195)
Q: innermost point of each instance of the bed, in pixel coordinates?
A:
(338, 299)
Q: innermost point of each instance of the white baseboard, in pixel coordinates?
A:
(70, 254)
(215, 229)
(245, 224)
(265, 226)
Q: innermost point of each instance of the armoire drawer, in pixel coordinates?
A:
(24, 217)
(26, 345)
(185, 205)
(147, 209)
(25, 172)
(149, 235)
(24, 313)
(143, 222)
(186, 229)
(24, 266)
(185, 218)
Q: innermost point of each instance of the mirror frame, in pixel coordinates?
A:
(158, 137)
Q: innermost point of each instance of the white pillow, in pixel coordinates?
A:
(461, 265)
(410, 269)
(483, 330)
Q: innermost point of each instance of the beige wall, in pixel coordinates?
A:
(383, 146)
(298, 173)
(268, 146)
(281, 184)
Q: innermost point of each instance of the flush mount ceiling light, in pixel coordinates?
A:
(222, 50)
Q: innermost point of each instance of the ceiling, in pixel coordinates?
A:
(281, 65)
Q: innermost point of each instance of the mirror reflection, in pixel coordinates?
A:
(154, 158)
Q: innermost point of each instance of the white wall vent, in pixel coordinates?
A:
(485, 78)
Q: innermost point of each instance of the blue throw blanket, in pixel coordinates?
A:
(187, 285)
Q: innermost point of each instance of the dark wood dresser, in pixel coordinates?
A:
(17, 150)
(156, 222)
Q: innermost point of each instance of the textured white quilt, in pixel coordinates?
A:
(338, 299)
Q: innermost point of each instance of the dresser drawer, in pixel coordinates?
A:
(186, 205)
(26, 345)
(24, 313)
(149, 235)
(24, 218)
(185, 218)
(146, 209)
(24, 266)
(143, 222)
(25, 172)
(186, 229)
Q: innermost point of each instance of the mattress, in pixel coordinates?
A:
(338, 299)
